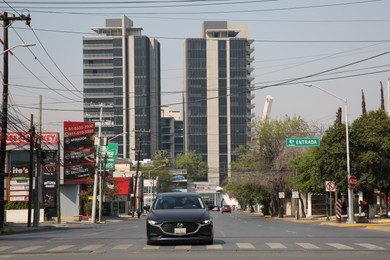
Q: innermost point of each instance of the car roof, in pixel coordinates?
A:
(178, 194)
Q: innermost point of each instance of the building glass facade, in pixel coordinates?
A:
(217, 95)
(122, 78)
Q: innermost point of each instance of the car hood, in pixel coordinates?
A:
(175, 215)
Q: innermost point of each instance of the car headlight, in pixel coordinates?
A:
(207, 221)
(152, 222)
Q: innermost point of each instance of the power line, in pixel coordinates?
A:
(210, 12)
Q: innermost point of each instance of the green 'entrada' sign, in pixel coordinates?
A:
(302, 141)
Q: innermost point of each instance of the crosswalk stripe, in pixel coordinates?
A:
(91, 247)
(214, 247)
(122, 247)
(3, 248)
(151, 247)
(307, 246)
(60, 248)
(245, 245)
(276, 245)
(339, 246)
(370, 246)
(27, 249)
(183, 247)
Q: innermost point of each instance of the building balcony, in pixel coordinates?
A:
(250, 78)
(250, 68)
(250, 97)
(98, 46)
(99, 66)
(98, 56)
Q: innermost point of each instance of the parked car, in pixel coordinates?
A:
(216, 208)
(226, 208)
(179, 217)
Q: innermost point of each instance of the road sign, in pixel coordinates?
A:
(352, 181)
(281, 195)
(300, 142)
(111, 151)
(330, 186)
(110, 165)
(295, 194)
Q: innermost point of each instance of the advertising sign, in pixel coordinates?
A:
(18, 187)
(23, 139)
(79, 151)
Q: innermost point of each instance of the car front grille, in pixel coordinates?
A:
(170, 227)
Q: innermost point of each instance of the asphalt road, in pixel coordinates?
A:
(236, 235)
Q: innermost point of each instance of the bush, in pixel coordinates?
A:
(16, 205)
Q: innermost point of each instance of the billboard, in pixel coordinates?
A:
(18, 181)
(21, 139)
(79, 151)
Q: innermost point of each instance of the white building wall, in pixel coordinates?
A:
(212, 111)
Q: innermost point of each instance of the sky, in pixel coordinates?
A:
(341, 46)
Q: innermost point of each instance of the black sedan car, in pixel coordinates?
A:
(179, 217)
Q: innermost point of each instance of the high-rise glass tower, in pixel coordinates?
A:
(217, 95)
(122, 79)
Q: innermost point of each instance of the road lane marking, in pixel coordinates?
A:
(214, 247)
(293, 232)
(339, 246)
(3, 248)
(276, 245)
(183, 247)
(245, 246)
(93, 234)
(307, 246)
(122, 247)
(151, 247)
(370, 246)
(27, 249)
(91, 247)
(60, 248)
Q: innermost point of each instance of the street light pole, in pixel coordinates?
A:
(350, 190)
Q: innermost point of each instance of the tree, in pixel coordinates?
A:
(370, 146)
(191, 161)
(266, 159)
(161, 157)
(364, 109)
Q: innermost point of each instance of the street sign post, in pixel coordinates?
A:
(352, 181)
(301, 142)
(330, 186)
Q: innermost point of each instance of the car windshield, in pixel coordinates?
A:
(178, 202)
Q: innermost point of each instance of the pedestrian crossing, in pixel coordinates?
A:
(91, 248)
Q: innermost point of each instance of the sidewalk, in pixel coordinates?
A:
(11, 228)
(380, 224)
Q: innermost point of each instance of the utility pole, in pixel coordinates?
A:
(37, 197)
(7, 21)
(140, 138)
(31, 171)
(96, 179)
(102, 171)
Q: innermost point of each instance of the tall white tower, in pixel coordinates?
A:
(267, 107)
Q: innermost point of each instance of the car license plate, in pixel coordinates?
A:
(180, 231)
